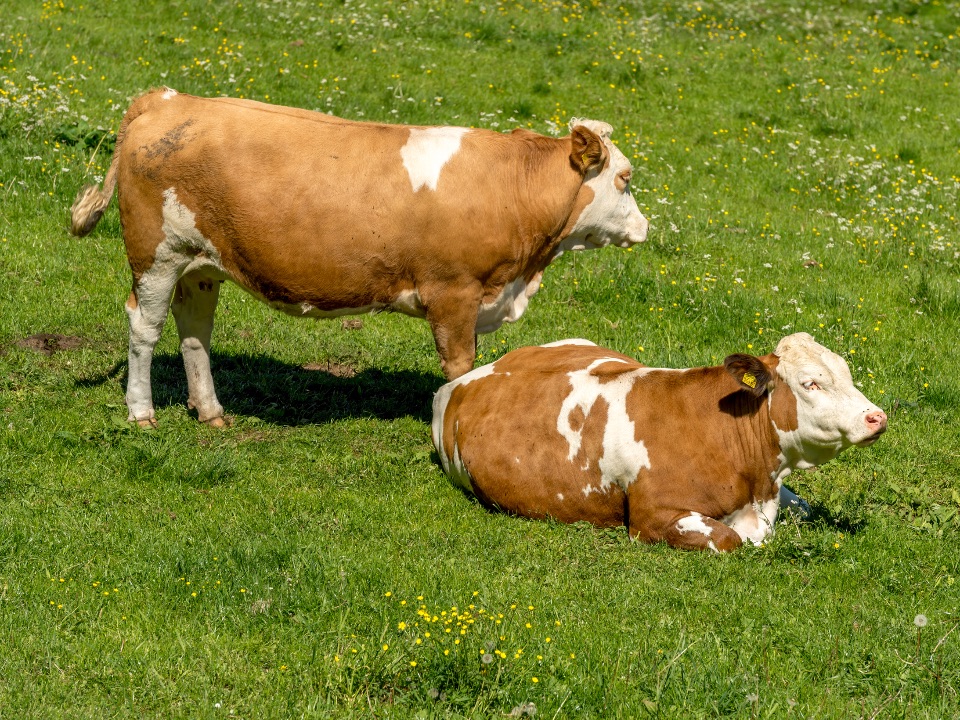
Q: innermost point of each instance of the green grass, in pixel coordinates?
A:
(798, 162)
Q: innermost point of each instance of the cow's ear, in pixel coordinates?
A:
(749, 371)
(587, 151)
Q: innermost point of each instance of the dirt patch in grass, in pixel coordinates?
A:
(49, 343)
(336, 369)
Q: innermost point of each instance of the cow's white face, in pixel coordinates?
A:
(832, 414)
(612, 216)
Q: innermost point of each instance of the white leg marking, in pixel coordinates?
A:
(194, 305)
(427, 151)
(184, 249)
(694, 523)
(146, 324)
(754, 521)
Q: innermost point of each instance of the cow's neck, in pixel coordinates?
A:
(553, 198)
(753, 443)
(782, 411)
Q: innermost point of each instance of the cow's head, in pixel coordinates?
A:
(605, 212)
(817, 410)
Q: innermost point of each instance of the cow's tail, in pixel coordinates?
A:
(88, 208)
(92, 201)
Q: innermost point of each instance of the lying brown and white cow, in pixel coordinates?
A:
(693, 457)
(321, 217)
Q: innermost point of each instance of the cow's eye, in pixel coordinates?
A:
(810, 385)
(623, 180)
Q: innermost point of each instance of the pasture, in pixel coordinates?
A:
(799, 163)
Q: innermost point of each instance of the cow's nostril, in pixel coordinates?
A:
(877, 420)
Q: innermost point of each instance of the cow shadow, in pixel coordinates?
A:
(286, 394)
(821, 516)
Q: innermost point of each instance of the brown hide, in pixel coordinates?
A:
(308, 209)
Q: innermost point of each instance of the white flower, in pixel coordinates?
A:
(920, 621)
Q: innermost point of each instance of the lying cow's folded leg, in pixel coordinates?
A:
(453, 319)
(194, 304)
(694, 531)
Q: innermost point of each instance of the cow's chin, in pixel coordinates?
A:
(867, 442)
(589, 241)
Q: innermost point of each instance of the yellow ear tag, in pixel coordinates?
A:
(583, 159)
(749, 379)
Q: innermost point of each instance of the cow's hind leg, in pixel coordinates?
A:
(194, 304)
(147, 309)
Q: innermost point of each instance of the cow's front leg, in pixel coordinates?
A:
(453, 319)
(689, 531)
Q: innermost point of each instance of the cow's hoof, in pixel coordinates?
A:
(148, 424)
(220, 422)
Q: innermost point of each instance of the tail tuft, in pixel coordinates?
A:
(87, 210)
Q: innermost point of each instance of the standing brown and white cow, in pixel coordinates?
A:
(321, 217)
(694, 457)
